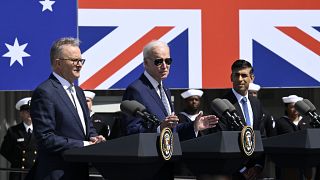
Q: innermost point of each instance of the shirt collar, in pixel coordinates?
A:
(152, 80)
(27, 127)
(63, 81)
(239, 96)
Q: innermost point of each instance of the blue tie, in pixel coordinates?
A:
(246, 110)
(164, 99)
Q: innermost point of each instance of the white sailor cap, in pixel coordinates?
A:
(254, 87)
(89, 94)
(23, 104)
(191, 92)
(291, 99)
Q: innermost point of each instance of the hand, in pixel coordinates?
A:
(97, 139)
(205, 122)
(252, 173)
(171, 121)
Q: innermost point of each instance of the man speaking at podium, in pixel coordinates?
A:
(150, 91)
(248, 108)
(60, 115)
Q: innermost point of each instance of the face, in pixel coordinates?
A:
(292, 112)
(241, 79)
(89, 102)
(253, 93)
(193, 103)
(161, 71)
(69, 70)
(25, 116)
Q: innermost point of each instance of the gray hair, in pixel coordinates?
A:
(149, 47)
(55, 51)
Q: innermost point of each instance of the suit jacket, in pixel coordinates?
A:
(257, 110)
(258, 122)
(19, 148)
(142, 91)
(57, 127)
(284, 125)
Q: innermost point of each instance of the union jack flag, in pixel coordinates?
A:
(280, 39)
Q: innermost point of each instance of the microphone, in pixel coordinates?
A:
(233, 111)
(303, 108)
(220, 107)
(313, 110)
(136, 109)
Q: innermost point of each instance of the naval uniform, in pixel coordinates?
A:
(19, 148)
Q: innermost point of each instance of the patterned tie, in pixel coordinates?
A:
(164, 99)
(246, 110)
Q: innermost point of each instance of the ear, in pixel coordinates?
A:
(252, 77)
(231, 78)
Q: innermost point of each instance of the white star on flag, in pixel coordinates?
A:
(16, 52)
(47, 4)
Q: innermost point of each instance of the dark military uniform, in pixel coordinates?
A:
(19, 148)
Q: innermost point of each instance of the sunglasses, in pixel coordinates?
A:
(159, 61)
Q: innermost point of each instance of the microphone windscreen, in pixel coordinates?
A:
(131, 107)
(230, 106)
(302, 107)
(309, 103)
(219, 106)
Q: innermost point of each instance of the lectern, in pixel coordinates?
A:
(298, 149)
(129, 157)
(217, 153)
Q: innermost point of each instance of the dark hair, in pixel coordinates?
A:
(241, 64)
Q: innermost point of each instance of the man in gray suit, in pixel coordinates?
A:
(60, 115)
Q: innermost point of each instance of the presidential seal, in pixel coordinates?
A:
(166, 143)
(247, 140)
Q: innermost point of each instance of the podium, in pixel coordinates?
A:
(296, 150)
(128, 157)
(217, 153)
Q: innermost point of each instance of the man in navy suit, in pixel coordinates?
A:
(248, 108)
(60, 115)
(150, 91)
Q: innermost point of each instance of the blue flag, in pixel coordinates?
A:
(27, 31)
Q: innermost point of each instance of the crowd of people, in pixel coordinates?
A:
(59, 116)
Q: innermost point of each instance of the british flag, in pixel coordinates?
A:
(280, 39)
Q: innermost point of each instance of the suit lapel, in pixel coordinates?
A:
(154, 93)
(66, 99)
(236, 104)
(83, 106)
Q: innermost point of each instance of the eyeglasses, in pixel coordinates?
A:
(75, 61)
(159, 61)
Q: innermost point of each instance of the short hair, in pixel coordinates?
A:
(55, 51)
(241, 64)
(148, 48)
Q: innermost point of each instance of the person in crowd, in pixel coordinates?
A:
(98, 121)
(60, 115)
(19, 144)
(192, 103)
(292, 121)
(269, 121)
(150, 91)
(248, 108)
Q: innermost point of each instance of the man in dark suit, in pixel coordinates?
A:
(60, 115)
(19, 144)
(150, 91)
(248, 108)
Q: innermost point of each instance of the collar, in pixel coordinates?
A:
(27, 127)
(63, 82)
(152, 80)
(239, 96)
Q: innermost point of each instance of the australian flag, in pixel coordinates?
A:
(27, 31)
